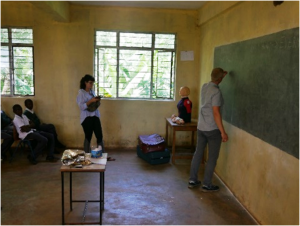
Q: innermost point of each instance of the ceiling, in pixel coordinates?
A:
(191, 5)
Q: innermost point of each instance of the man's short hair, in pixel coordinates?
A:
(216, 74)
(16, 106)
(27, 101)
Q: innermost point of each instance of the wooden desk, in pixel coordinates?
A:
(191, 126)
(93, 168)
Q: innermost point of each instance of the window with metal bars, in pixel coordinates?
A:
(134, 65)
(17, 71)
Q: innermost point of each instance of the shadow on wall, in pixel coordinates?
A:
(277, 2)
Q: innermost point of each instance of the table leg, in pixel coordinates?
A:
(62, 198)
(102, 190)
(193, 134)
(101, 195)
(173, 146)
(167, 135)
(84, 210)
(71, 198)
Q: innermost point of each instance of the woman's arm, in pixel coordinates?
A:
(94, 99)
(82, 101)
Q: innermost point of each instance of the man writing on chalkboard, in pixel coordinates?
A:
(210, 131)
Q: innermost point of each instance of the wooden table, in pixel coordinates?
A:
(191, 126)
(93, 168)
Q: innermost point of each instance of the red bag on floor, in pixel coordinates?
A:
(151, 143)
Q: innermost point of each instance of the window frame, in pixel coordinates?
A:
(173, 53)
(11, 46)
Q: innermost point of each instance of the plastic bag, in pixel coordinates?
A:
(73, 157)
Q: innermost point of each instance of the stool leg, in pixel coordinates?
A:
(193, 147)
(173, 146)
(62, 198)
(167, 133)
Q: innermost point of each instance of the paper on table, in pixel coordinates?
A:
(101, 160)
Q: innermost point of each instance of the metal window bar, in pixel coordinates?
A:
(118, 60)
(97, 72)
(11, 64)
(152, 65)
(171, 76)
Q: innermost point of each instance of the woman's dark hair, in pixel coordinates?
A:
(85, 79)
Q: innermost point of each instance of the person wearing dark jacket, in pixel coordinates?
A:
(6, 134)
(49, 128)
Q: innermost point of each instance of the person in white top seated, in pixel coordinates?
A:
(25, 130)
(49, 128)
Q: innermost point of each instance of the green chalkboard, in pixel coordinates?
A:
(261, 91)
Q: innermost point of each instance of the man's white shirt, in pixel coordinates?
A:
(19, 122)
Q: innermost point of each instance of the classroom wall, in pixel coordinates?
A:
(263, 178)
(64, 54)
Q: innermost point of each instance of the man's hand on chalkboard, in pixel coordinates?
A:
(224, 137)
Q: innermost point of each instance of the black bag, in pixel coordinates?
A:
(94, 106)
(154, 158)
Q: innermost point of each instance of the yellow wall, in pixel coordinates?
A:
(64, 54)
(264, 178)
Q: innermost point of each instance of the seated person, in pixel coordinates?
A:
(8, 140)
(49, 128)
(184, 106)
(25, 130)
(6, 134)
(6, 123)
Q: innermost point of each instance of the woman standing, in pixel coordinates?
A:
(89, 113)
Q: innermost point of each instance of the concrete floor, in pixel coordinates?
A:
(135, 193)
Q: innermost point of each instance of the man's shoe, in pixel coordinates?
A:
(32, 160)
(210, 188)
(51, 159)
(193, 184)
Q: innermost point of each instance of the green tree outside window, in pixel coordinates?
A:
(17, 71)
(135, 65)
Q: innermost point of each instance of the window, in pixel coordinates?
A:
(134, 65)
(17, 72)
